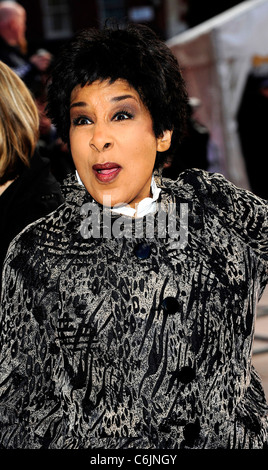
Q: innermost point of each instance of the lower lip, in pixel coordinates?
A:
(108, 175)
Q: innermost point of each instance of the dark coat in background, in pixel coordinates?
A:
(34, 194)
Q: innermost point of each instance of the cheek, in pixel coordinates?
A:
(78, 147)
(146, 150)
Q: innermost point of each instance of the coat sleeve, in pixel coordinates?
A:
(29, 404)
(241, 211)
(244, 212)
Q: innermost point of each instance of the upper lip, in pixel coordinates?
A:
(105, 166)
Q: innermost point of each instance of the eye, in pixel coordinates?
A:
(81, 121)
(122, 116)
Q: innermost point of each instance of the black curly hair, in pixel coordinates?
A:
(133, 53)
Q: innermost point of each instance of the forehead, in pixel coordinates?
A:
(104, 90)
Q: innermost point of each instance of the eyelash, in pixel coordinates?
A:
(126, 113)
(77, 120)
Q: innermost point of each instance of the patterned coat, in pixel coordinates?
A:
(136, 343)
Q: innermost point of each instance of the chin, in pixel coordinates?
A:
(108, 200)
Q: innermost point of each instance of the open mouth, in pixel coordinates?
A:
(106, 172)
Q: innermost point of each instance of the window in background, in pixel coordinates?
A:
(56, 19)
(111, 9)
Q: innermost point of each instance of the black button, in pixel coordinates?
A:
(186, 374)
(191, 432)
(142, 250)
(53, 348)
(164, 427)
(170, 305)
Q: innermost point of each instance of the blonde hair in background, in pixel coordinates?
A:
(19, 124)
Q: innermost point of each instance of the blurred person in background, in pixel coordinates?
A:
(28, 190)
(34, 72)
(13, 46)
(50, 144)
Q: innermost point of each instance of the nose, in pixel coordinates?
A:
(101, 139)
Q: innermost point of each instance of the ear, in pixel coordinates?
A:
(164, 141)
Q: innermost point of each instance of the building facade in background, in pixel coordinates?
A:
(50, 22)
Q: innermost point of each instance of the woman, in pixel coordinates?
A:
(131, 331)
(28, 190)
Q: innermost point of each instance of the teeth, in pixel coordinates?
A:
(103, 169)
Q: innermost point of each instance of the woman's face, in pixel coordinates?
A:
(113, 143)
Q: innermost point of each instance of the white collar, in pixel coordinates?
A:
(144, 207)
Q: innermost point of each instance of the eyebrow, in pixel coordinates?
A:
(122, 97)
(81, 104)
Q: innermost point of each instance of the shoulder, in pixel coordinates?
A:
(39, 248)
(58, 222)
(239, 210)
(216, 192)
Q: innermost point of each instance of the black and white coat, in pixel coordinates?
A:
(136, 343)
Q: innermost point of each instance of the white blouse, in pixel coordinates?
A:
(144, 207)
